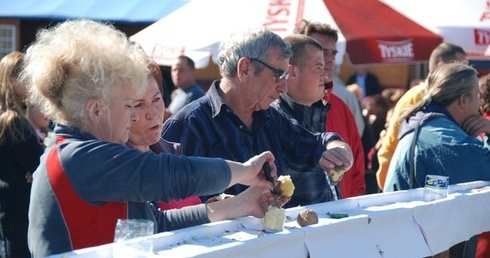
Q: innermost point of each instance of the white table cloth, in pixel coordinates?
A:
(399, 224)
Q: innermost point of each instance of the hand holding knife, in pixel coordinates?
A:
(274, 191)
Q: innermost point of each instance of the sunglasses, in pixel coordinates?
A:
(281, 74)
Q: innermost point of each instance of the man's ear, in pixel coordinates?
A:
(293, 72)
(93, 108)
(244, 68)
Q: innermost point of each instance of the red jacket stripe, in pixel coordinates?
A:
(88, 224)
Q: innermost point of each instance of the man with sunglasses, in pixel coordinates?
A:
(234, 118)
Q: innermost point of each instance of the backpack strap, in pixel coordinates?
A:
(426, 117)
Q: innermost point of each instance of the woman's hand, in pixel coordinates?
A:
(254, 201)
(251, 172)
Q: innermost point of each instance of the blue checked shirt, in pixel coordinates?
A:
(311, 186)
(208, 127)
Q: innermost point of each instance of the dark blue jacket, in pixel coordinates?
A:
(83, 185)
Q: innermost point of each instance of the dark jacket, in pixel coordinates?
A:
(83, 185)
(16, 159)
(371, 82)
(442, 148)
(209, 127)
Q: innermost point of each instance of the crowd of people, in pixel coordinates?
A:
(86, 138)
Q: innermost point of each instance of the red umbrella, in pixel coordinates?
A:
(375, 33)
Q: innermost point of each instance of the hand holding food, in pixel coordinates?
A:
(286, 186)
(336, 174)
(275, 216)
(336, 160)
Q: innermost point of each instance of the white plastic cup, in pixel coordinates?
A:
(274, 219)
(132, 238)
(436, 187)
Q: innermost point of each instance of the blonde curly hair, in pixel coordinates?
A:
(80, 60)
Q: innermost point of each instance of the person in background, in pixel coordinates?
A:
(483, 246)
(375, 109)
(368, 82)
(85, 75)
(355, 89)
(484, 83)
(20, 150)
(184, 78)
(443, 128)
(338, 118)
(234, 119)
(369, 145)
(40, 121)
(445, 53)
(14, 59)
(393, 95)
(337, 87)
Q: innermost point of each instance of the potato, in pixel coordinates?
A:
(307, 217)
(286, 186)
(223, 196)
(336, 174)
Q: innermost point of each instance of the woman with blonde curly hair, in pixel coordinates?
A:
(85, 75)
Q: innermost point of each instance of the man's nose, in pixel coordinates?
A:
(282, 86)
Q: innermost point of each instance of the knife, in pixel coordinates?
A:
(274, 191)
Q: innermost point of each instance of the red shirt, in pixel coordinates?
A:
(341, 121)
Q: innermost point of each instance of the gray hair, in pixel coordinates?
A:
(79, 60)
(253, 43)
(445, 85)
(448, 83)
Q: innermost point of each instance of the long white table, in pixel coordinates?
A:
(399, 224)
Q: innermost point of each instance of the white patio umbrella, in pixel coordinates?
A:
(370, 31)
(462, 22)
(197, 28)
